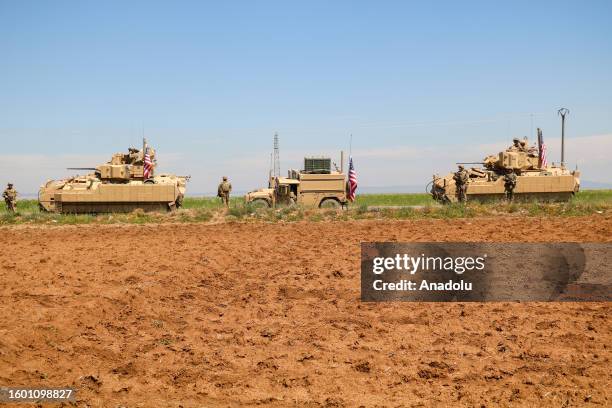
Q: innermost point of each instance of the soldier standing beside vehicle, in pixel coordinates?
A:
(509, 185)
(461, 179)
(292, 198)
(10, 197)
(224, 190)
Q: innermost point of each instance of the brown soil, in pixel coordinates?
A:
(269, 314)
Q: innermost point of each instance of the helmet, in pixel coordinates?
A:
(224, 178)
(460, 167)
(516, 139)
(10, 184)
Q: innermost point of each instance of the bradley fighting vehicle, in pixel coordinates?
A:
(535, 180)
(317, 185)
(121, 185)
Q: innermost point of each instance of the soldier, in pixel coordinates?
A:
(509, 184)
(523, 146)
(292, 198)
(10, 197)
(461, 179)
(224, 190)
(133, 155)
(516, 146)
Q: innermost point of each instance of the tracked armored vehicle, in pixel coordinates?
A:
(535, 179)
(126, 183)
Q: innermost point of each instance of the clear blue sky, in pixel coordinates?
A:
(212, 81)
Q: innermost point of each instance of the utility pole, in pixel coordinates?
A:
(276, 157)
(563, 112)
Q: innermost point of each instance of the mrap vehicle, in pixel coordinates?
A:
(317, 185)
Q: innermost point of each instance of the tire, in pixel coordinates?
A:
(149, 181)
(260, 203)
(330, 203)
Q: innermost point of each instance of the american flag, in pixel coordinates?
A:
(148, 165)
(542, 152)
(352, 175)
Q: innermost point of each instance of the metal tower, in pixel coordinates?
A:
(276, 158)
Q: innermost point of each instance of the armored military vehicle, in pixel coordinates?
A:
(125, 183)
(317, 185)
(535, 179)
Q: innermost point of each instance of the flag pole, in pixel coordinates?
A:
(352, 176)
(539, 148)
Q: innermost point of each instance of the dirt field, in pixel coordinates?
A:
(269, 314)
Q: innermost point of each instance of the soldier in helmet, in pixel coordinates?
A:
(516, 146)
(10, 197)
(133, 155)
(509, 184)
(292, 198)
(224, 190)
(461, 179)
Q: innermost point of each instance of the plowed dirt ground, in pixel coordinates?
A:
(269, 314)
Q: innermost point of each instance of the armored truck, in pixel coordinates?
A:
(317, 185)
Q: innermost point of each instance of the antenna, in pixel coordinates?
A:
(276, 157)
(563, 112)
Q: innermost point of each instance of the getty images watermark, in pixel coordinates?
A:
(412, 264)
(486, 272)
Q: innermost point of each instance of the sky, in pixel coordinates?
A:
(418, 85)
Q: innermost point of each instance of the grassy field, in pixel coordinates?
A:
(587, 196)
(365, 199)
(367, 206)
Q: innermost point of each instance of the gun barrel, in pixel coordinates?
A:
(469, 163)
(80, 168)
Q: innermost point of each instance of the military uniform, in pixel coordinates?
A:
(516, 146)
(10, 198)
(509, 185)
(134, 155)
(224, 190)
(461, 179)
